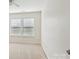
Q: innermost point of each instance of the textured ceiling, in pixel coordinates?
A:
(27, 5)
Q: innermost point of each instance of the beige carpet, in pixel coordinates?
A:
(25, 51)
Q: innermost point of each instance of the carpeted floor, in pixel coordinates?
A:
(25, 51)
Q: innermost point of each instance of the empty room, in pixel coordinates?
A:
(39, 29)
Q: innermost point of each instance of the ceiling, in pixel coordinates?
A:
(27, 5)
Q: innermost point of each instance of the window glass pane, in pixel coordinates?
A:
(29, 22)
(16, 31)
(28, 32)
(15, 26)
(15, 22)
(28, 27)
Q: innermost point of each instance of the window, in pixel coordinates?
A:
(23, 26)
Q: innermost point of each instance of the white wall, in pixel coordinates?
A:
(55, 28)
